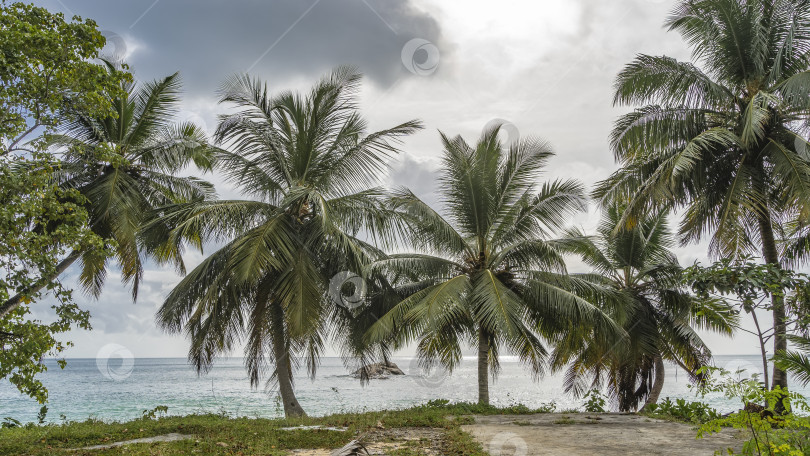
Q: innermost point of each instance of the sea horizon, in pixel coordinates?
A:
(117, 389)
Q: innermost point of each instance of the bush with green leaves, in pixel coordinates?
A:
(767, 431)
(683, 410)
(47, 69)
(595, 402)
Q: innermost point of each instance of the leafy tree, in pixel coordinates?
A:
(310, 165)
(747, 285)
(489, 274)
(658, 314)
(39, 222)
(723, 142)
(46, 67)
(45, 71)
(123, 165)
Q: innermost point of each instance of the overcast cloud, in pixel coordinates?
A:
(545, 66)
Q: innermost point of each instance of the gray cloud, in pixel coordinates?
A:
(279, 40)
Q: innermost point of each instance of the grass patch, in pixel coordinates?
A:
(222, 435)
(564, 420)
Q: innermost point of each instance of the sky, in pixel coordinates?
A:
(543, 68)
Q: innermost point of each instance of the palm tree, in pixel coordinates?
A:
(125, 166)
(797, 361)
(310, 167)
(488, 274)
(723, 143)
(657, 313)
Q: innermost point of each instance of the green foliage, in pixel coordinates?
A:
(45, 72)
(721, 138)
(768, 432)
(9, 422)
(250, 435)
(796, 362)
(126, 165)
(51, 83)
(747, 282)
(595, 402)
(43, 412)
(46, 66)
(646, 296)
(487, 270)
(157, 412)
(682, 410)
(311, 167)
(39, 223)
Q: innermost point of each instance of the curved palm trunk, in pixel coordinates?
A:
(281, 353)
(658, 383)
(483, 367)
(771, 255)
(14, 302)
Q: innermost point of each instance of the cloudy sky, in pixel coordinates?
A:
(544, 66)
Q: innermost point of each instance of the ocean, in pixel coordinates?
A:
(122, 388)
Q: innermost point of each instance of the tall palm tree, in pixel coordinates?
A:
(311, 167)
(488, 273)
(722, 141)
(657, 313)
(125, 166)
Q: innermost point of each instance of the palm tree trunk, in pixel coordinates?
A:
(281, 353)
(483, 367)
(777, 302)
(14, 302)
(658, 383)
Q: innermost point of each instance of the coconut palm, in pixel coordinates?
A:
(658, 314)
(125, 166)
(310, 167)
(487, 272)
(722, 142)
(796, 361)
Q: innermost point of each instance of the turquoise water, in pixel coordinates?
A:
(122, 389)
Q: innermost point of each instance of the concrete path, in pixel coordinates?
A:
(594, 434)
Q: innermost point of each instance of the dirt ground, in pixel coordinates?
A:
(561, 434)
(597, 434)
(423, 441)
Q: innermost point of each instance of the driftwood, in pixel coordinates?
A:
(353, 448)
